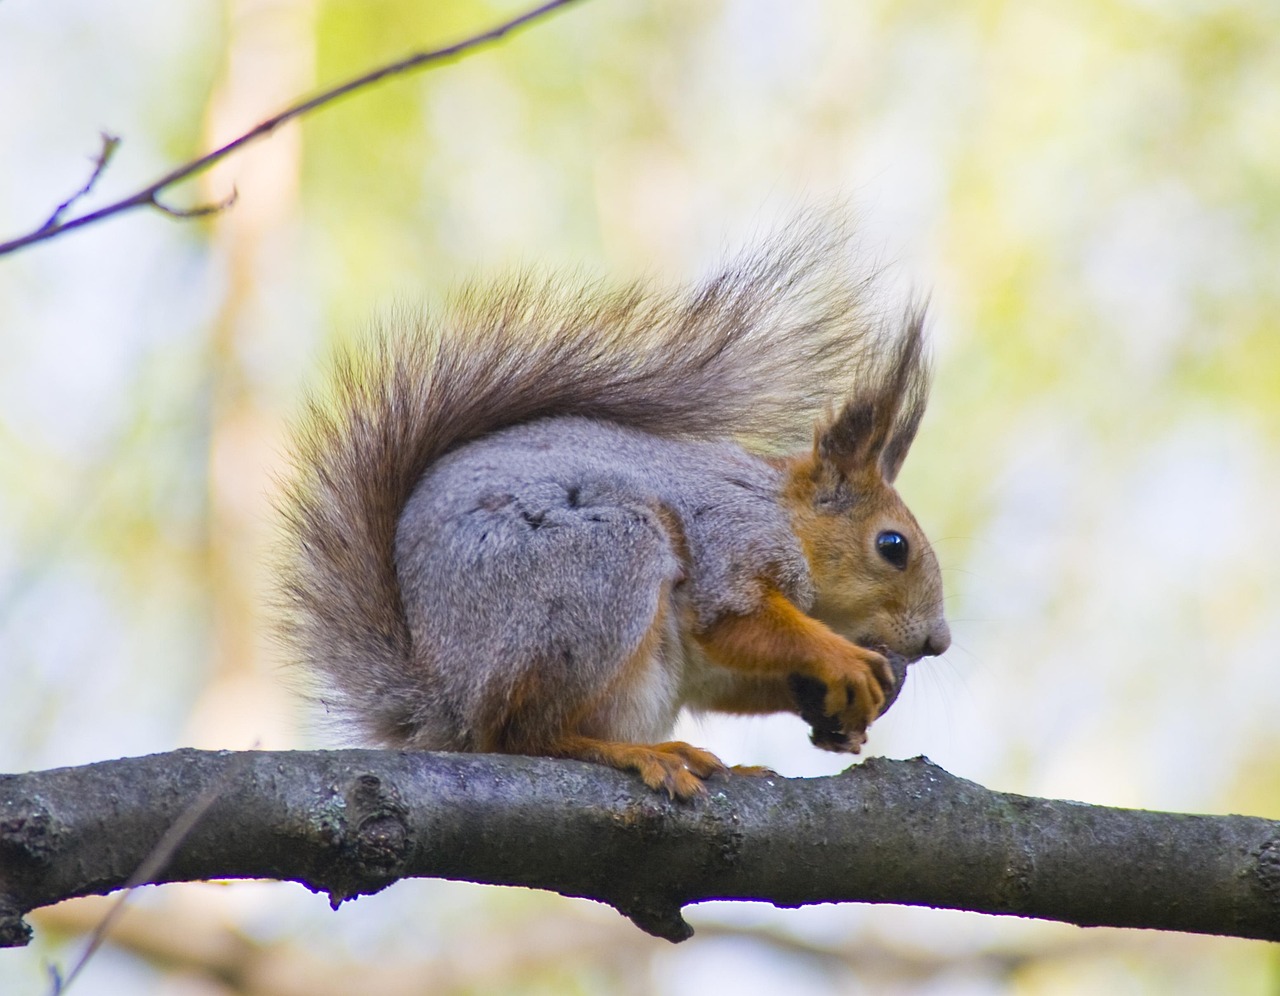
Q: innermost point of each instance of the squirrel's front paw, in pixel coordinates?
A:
(841, 702)
(857, 687)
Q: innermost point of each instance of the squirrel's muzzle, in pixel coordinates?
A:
(938, 640)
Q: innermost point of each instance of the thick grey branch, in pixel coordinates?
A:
(351, 822)
(149, 196)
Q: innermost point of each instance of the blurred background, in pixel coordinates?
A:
(1090, 191)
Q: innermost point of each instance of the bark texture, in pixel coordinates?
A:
(352, 822)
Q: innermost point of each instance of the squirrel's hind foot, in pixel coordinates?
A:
(674, 767)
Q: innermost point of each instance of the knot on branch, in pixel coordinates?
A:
(28, 845)
(693, 843)
(381, 837)
(1268, 871)
(14, 931)
(28, 838)
(648, 903)
(369, 829)
(659, 919)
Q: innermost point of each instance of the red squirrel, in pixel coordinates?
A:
(546, 519)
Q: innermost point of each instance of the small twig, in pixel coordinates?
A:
(154, 863)
(196, 212)
(148, 196)
(109, 145)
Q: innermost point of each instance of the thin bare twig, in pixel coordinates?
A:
(154, 863)
(149, 195)
(109, 145)
(200, 211)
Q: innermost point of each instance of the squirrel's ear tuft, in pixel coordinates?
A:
(875, 429)
(908, 381)
(852, 442)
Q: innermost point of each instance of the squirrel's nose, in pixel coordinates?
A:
(937, 642)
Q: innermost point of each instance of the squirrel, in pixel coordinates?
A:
(547, 519)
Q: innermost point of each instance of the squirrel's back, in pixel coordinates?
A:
(759, 351)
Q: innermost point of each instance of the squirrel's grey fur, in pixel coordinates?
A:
(512, 488)
(556, 529)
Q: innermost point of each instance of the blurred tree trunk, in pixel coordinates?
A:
(269, 60)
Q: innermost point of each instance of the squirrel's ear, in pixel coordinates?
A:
(851, 443)
(904, 433)
(873, 432)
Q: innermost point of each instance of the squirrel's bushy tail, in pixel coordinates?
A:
(758, 351)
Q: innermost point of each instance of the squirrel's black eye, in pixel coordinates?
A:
(893, 547)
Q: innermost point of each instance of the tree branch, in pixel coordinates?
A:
(352, 822)
(149, 196)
